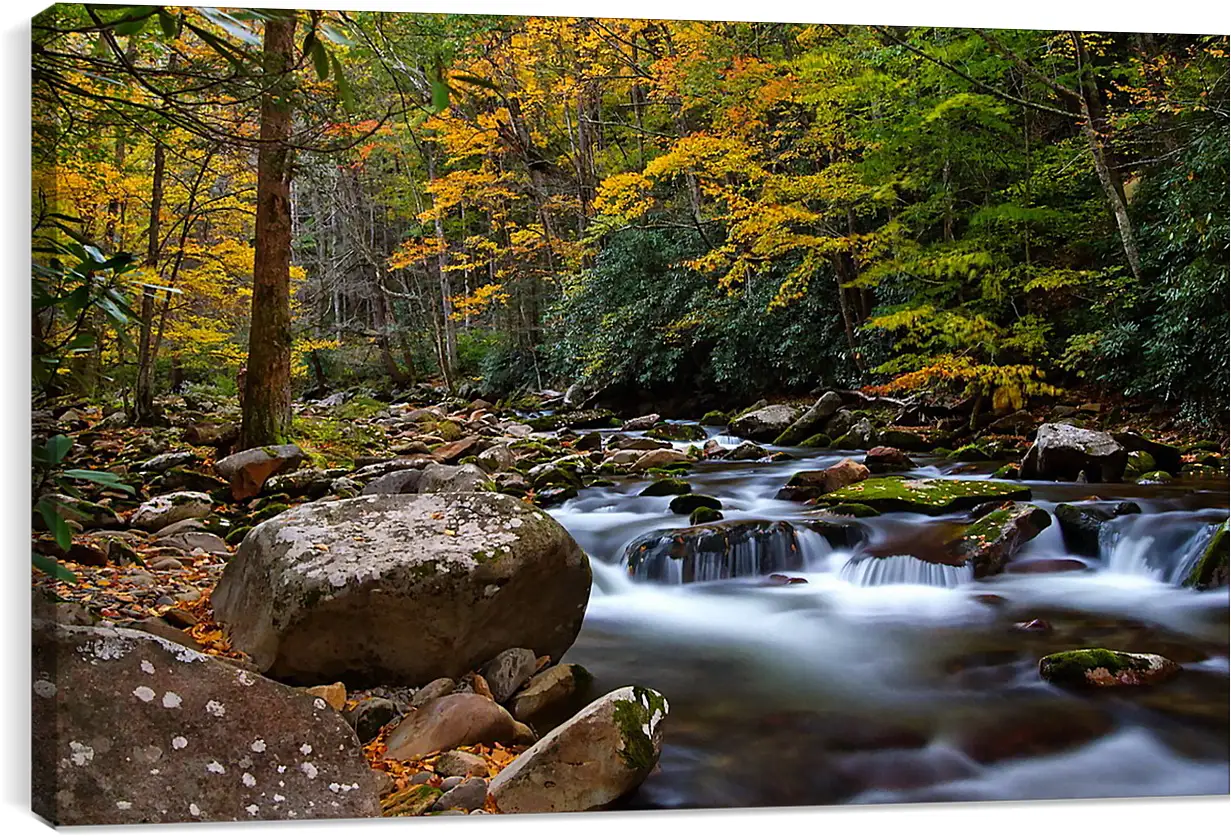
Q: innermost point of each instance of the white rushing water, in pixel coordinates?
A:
(874, 635)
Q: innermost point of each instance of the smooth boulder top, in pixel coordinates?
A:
(402, 587)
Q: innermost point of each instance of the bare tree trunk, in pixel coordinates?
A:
(448, 341)
(143, 400)
(267, 390)
(1093, 125)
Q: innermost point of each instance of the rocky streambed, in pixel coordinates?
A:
(830, 605)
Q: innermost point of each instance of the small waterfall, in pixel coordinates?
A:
(1164, 547)
(609, 579)
(723, 551)
(872, 571)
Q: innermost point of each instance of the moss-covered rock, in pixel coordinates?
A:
(704, 515)
(990, 542)
(715, 417)
(616, 739)
(414, 800)
(855, 510)
(971, 454)
(1139, 462)
(667, 486)
(677, 432)
(1104, 668)
(1210, 571)
(928, 495)
(685, 504)
(817, 441)
(1154, 478)
(236, 535)
(1008, 471)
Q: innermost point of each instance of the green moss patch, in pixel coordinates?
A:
(1210, 571)
(667, 486)
(929, 495)
(632, 718)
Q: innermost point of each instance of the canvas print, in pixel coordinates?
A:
(437, 414)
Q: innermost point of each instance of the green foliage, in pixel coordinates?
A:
(640, 319)
(73, 283)
(51, 475)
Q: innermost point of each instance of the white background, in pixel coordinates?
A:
(1198, 817)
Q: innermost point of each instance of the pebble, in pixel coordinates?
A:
(421, 778)
(450, 782)
(466, 797)
(167, 564)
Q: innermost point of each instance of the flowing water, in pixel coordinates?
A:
(885, 678)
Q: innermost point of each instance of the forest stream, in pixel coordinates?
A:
(883, 678)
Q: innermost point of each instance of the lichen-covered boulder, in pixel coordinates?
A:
(165, 510)
(448, 722)
(248, 470)
(1104, 668)
(131, 728)
(402, 588)
(991, 541)
(1062, 452)
(766, 424)
(590, 761)
(931, 496)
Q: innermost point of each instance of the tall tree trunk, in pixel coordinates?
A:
(267, 389)
(1094, 126)
(143, 400)
(448, 342)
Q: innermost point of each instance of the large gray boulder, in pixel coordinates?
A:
(1062, 452)
(590, 761)
(766, 424)
(131, 728)
(402, 588)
